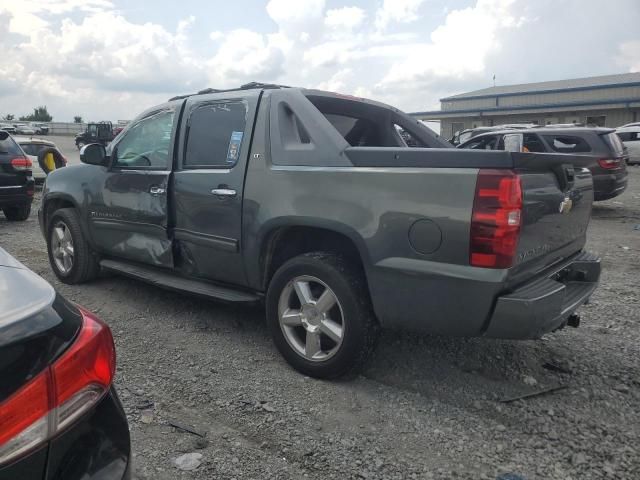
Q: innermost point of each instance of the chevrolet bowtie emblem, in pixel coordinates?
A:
(566, 205)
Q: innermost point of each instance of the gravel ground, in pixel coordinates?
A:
(426, 407)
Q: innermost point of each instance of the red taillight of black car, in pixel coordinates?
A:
(21, 164)
(609, 163)
(496, 219)
(60, 394)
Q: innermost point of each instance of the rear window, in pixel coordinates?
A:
(10, 147)
(33, 148)
(567, 144)
(614, 143)
(409, 139)
(215, 134)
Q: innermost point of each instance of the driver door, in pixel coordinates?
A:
(128, 214)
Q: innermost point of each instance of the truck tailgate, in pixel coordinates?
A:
(557, 198)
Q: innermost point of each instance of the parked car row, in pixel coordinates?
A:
(31, 128)
(23, 162)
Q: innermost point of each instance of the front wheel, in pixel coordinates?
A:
(320, 315)
(17, 213)
(70, 255)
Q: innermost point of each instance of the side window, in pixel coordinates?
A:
(484, 143)
(567, 144)
(147, 143)
(532, 143)
(629, 136)
(214, 134)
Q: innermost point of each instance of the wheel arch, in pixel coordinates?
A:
(56, 201)
(288, 238)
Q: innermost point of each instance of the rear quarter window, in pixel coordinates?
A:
(614, 143)
(567, 144)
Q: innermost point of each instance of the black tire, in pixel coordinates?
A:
(85, 264)
(349, 286)
(17, 213)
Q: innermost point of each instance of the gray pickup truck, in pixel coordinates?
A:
(342, 214)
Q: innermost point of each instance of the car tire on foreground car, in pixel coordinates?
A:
(70, 255)
(320, 315)
(17, 213)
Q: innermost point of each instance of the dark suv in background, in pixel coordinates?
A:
(16, 180)
(609, 165)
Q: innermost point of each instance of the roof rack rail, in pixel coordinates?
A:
(246, 86)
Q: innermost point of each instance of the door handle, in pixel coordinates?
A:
(155, 190)
(224, 192)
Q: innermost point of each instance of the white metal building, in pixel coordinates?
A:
(609, 100)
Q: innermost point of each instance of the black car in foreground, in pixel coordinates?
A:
(60, 417)
(609, 158)
(16, 180)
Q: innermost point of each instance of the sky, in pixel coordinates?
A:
(111, 59)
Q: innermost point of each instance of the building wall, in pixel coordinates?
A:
(534, 99)
(613, 118)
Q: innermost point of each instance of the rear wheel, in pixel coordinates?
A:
(17, 213)
(70, 256)
(320, 315)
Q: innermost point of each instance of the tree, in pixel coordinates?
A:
(77, 119)
(9, 117)
(40, 114)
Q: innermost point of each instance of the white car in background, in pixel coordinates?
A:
(32, 147)
(630, 136)
(24, 129)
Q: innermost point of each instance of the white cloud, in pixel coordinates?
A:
(87, 57)
(629, 56)
(401, 11)
(457, 48)
(344, 18)
(245, 54)
(288, 14)
(337, 82)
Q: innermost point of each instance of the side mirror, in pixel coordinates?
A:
(4, 135)
(94, 154)
(514, 142)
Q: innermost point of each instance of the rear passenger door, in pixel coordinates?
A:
(208, 184)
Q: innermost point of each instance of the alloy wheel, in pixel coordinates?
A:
(311, 318)
(62, 247)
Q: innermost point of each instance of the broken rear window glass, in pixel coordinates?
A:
(567, 144)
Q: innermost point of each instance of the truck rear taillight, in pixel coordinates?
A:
(496, 219)
(609, 163)
(60, 394)
(21, 163)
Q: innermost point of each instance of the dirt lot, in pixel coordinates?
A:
(426, 407)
